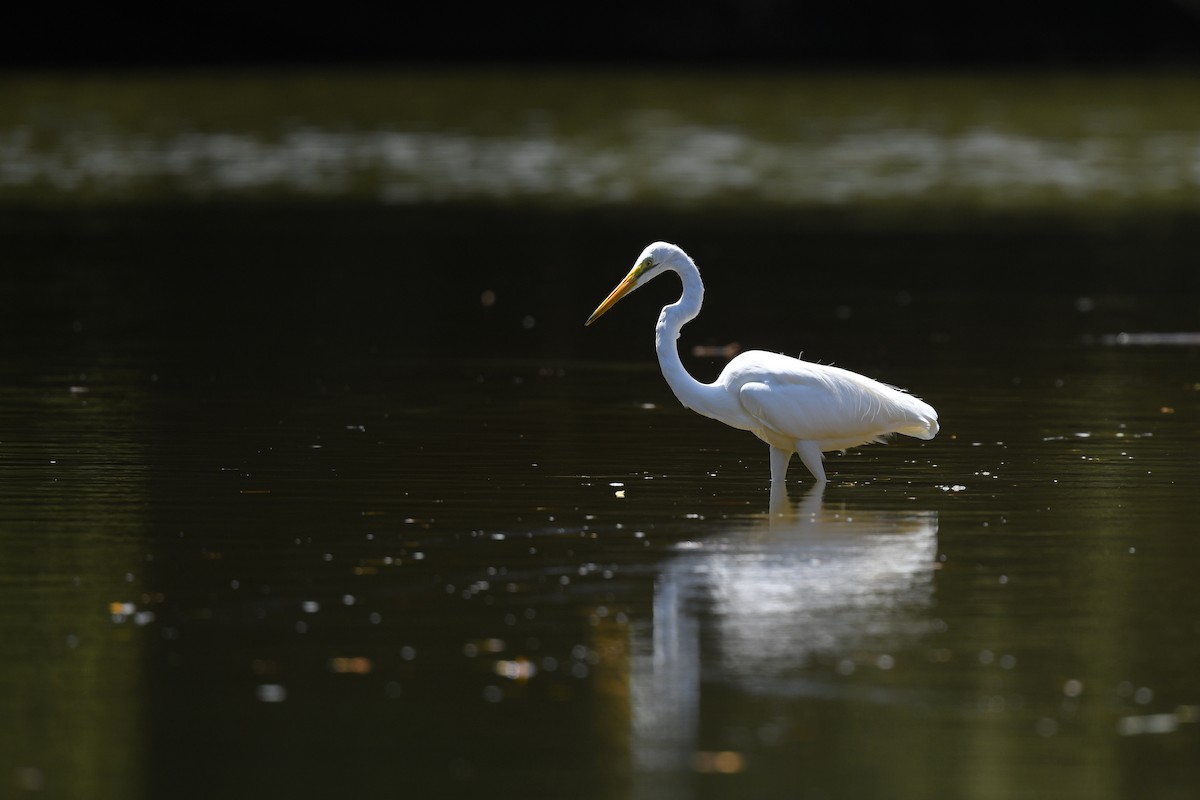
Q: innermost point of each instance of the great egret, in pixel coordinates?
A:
(794, 406)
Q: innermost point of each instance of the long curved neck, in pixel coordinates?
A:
(689, 391)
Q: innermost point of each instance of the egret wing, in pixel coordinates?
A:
(793, 400)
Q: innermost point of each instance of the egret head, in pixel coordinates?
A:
(654, 261)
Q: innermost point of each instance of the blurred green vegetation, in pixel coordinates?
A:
(1011, 141)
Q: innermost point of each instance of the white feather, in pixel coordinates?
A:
(795, 406)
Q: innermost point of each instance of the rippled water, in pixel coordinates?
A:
(341, 500)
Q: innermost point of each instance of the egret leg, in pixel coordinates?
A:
(810, 455)
(779, 465)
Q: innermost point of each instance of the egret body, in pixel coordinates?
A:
(794, 406)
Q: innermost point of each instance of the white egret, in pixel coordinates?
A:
(794, 406)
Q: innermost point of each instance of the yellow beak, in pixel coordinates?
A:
(623, 288)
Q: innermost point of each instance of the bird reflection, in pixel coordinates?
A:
(813, 580)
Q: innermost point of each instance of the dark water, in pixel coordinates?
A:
(315, 485)
(268, 529)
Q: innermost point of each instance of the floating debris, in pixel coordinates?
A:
(356, 665)
(1149, 339)
(1147, 723)
(31, 779)
(270, 693)
(472, 649)
(128, 612)
(722, 762)
(1138, 725)
(716, 350)
(519, 669)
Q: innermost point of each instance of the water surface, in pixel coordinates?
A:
(338, 497)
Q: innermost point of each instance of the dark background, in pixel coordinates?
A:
(319, 293)
(725, 32)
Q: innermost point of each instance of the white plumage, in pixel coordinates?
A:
(794, 406)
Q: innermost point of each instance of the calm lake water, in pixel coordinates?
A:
(312, 497)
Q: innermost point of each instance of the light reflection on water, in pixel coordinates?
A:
(809, 580)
